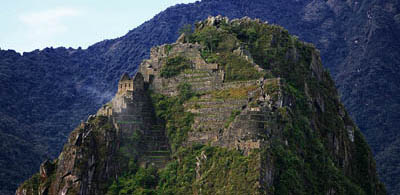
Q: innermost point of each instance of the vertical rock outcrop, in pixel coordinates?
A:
(99, 149)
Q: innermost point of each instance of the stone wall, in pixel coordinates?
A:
(203, 76)
(213, 122)
(124, 86)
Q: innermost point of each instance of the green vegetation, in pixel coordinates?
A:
(130, 144)
(131, 147)
(171, 111)
(234, 114)
(102, 131)
(272, 88)
(302, 156)
(297, 176)
(100, 126)
(174, 66)
(305, 158)
(168, 48)
(270, 46)
(233, 93)
(32, 184)
(210, 37)
(220, 171)
(302, 150)
(237, 68)
(219, 47)
(136, 180)
(187, 30)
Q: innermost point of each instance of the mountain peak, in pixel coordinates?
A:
(241, 107)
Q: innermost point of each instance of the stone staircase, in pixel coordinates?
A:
(214, 114)
(157, 152)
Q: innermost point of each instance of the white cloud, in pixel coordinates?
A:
(47, 23)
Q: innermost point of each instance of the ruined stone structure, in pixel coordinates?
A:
(125, 84)
(105, 110)
(132, 111)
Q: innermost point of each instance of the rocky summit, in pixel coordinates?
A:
(233, 107)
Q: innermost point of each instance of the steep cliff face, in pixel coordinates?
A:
(98, 150)
(235, 107)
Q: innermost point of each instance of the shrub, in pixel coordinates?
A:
(219, 46)
(140, 181)
(170, 110)
(174, 66)
(234, 114)
(224, 171)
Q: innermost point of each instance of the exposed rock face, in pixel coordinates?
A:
(98, 150)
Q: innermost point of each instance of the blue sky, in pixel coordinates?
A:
(27, 25)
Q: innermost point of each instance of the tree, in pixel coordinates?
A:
(187, 30)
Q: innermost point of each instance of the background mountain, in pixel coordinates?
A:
(44, 94)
